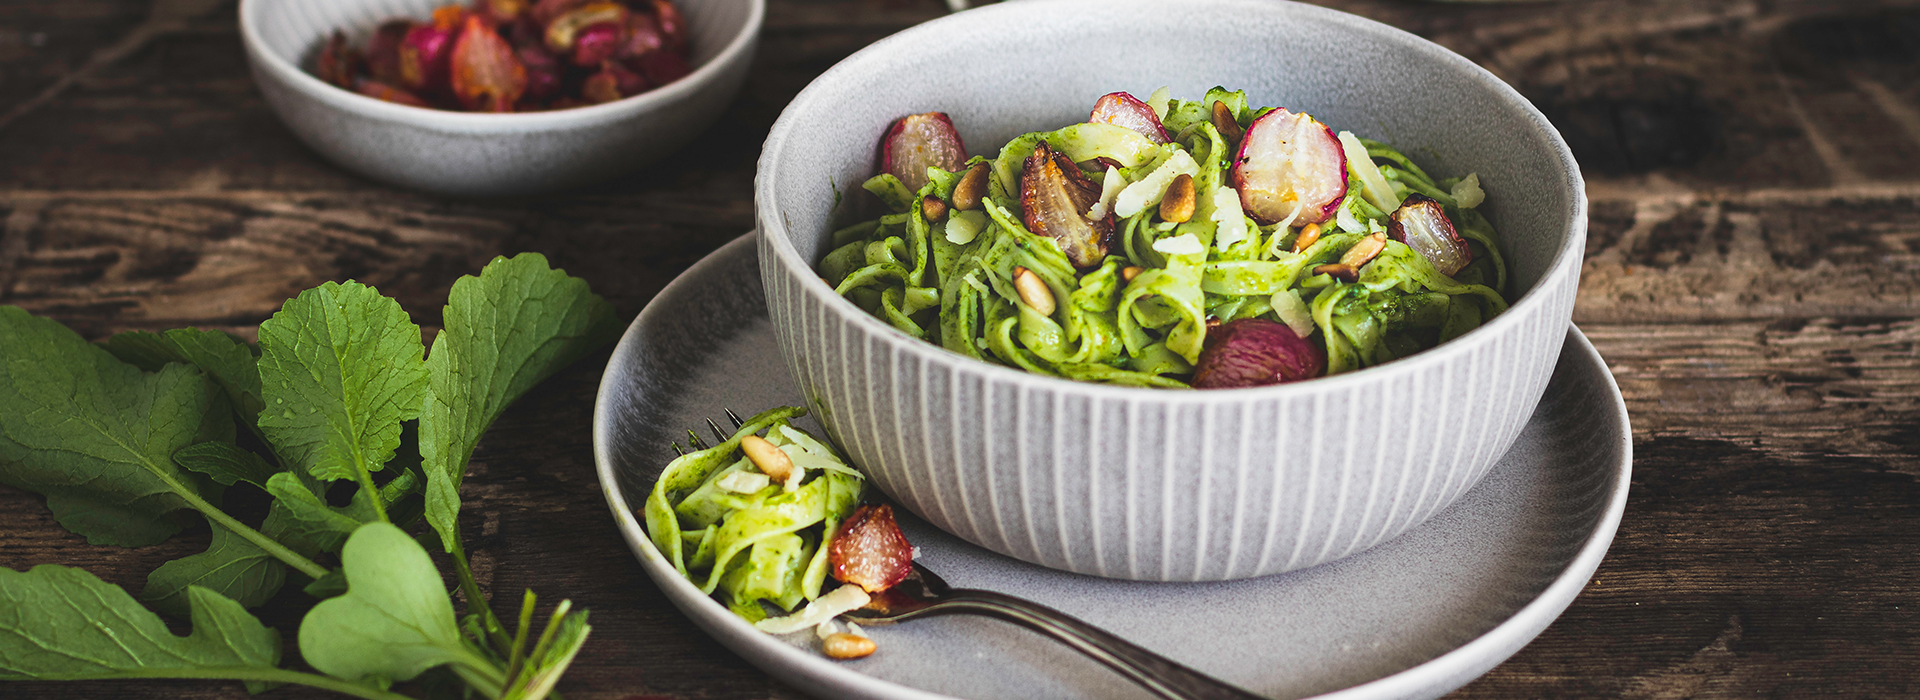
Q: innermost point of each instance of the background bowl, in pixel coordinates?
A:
(1169, 485)
(478, 155)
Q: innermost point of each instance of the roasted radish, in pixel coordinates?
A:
(1121, 109)
(1290, 168)
(383, 51)
(1256, 352)
(338, 61)
(427, 51)
(869, 551)
(486, 74)
(598, 44)
(662, 67)
(673, 28)
(608, 21)
(1423, 226)
(919, 141)
(613, 82)
(1055, 197)
(544, 74)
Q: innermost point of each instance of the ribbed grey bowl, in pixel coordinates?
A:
(1169, 485)
(477, 155)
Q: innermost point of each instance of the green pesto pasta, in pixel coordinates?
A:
(744, 538)
(1140, 315)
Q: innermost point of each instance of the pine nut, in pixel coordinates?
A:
(1341, 271)
(1224, 122)
(932, 208)
(1033, 291)
(973, 186)
(767, 458)
(841, 645)
(1177, 205)
(1131, 271)
(1365, 251)
(1307, 237)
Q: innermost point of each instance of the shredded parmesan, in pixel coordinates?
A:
(1293, 312)
(823, 609)
(964, 226)
(1467, 192)
(1158, 101)
(743, 482)
(1230, 223)
(974, 282)
(1184, 244)
(1109, 189)
(1348, 222)
(1148, 190)
(1373, 185)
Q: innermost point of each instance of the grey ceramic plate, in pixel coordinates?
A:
(1413, 618)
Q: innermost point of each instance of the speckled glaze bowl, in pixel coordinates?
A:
(480, 155)
(1152, 484)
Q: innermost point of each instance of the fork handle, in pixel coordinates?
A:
(1163, 676)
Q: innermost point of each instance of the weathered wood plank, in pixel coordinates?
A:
(1674, 255)
(132, 260)
(1751, 280)
(151, 259)
(1710, 94)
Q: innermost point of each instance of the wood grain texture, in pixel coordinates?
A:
(1751, 279)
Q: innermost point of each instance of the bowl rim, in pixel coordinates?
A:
(485, 122)
(771, 226)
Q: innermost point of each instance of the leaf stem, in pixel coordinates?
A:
(477, 604)
(372, 490)
(251, 673)
(516, 660)
(480, 674)
(279, 551)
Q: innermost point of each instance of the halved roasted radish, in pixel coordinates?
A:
(917, 142)
(1256, 352)
(869, 551)
(1290, 166)
(1054, 197)
(1423, 226)
(1121, 109)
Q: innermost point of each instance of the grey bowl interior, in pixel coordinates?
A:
(1003, 70)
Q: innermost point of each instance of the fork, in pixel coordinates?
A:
(924, 594)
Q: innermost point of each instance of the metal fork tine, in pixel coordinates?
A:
(677, 450)
(735, 418)
(693, 439)
(715, 427)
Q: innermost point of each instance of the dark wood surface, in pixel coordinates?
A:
(1751, 279)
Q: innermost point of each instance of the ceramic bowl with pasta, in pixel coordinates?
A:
(1060, 434)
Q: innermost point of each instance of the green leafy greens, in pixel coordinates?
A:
(96, 436)
(63, 624)
(129, 439)
(349, 367)
(488, 355)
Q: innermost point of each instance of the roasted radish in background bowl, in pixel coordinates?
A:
(1158, 484)
(362, 106)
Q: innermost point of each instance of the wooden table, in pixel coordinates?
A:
(1751, 279)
